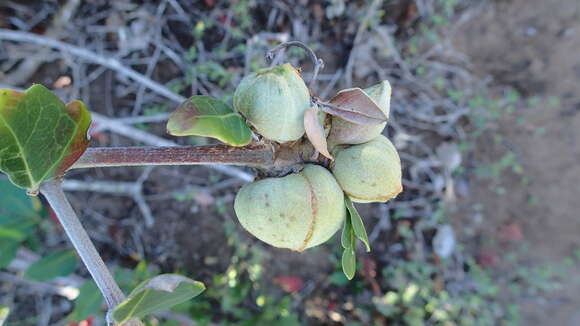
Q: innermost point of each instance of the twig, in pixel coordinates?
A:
(29, 66)
(131, 189)
(317, 62)
(109, 62)
(371, 10)
(53, 193)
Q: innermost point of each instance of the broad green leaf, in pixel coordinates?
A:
(87, 303)
(159, 293)
(4, 311)
(60, 263)
(357, 223)
(40, 136)
(209, 117)
(349, 263)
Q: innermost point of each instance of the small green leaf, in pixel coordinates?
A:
(11, 234)
(40, 136)
(60, 263)
(349, 263)
(8, 249)
(357, 223)
(159, 293)
(87, 303)
(209, 117)
(347, 234)
(4, 311)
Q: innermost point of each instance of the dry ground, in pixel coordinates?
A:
(534, 45)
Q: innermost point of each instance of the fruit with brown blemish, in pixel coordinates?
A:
(297, 211)
(274, 101)
(369, 172)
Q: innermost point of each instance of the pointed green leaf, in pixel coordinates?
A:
(347, 234)
(209, 117)
(56, 264)
(357, 224)
(159, 293)
(4, 311)
(87, 303)
(349, 263)
(40, 136)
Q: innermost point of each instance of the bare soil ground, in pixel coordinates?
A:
(534, 46)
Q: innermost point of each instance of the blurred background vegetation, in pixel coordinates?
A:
(484, 113)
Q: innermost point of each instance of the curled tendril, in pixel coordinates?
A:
(318, 63)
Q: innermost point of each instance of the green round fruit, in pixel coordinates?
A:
(369, 172)
(345, 132)
(297, 212)
(274, 100)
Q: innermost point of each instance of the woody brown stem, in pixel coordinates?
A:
(252, 155)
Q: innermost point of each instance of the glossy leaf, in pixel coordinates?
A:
(209, 117)
(60, 263)
(355, 106)
(349, 263)
(159, 293)
(87, 303)
(315, 131)
(40, 136)
(357, 223)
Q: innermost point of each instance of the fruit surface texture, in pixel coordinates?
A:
(298, 211)
(273, 101)
(369, 172)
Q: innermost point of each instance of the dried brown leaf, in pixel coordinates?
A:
(355, 106)
(315, 131)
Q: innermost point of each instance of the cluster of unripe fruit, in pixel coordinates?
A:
(305, 209)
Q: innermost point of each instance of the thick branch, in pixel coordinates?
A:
(253, 155)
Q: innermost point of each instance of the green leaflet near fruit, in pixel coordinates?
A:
(298, 211)
(274, 100)
(345, 132)
(369, 172)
